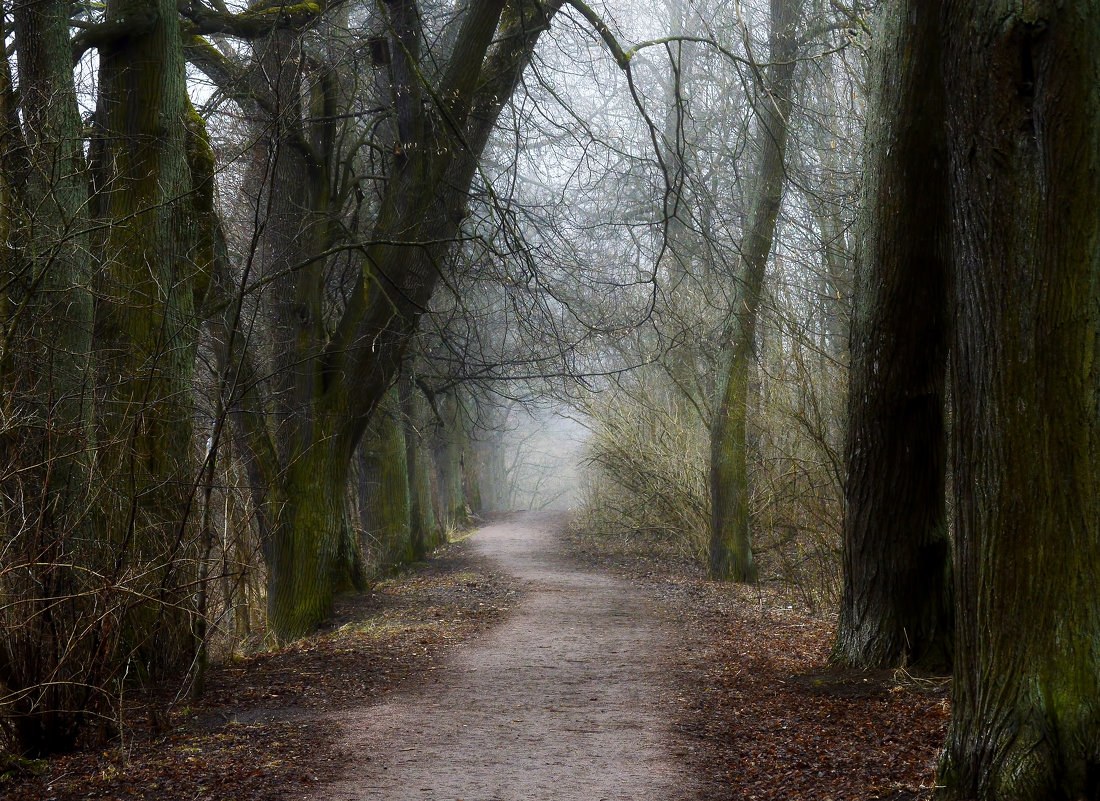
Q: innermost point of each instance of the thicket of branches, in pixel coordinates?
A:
(282, 286)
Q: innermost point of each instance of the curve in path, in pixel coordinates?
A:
(561, 701)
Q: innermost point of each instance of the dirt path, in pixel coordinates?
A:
(562, 701)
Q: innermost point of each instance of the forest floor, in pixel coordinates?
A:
(525, 663)
(767, 716)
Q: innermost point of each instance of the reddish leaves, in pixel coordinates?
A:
(775, 723)
(764, 715)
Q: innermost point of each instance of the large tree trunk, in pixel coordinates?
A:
(896, 607)
(384, 493)
(307, 541)
(730, 543)
(329, 380)
(145, 320)
(112, 463)
(449, 452)
(423, 532)
(1024, 120)
(56, 247)
(301, 463)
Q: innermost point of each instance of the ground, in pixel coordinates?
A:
(526, 663)
(767, 715)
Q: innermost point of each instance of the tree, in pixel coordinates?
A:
(1023, 116)
(105, 261)
(700, 281)
(1008, 95)
(150, 168)
(424, 532)
(384, 486)
(896, 605)
(730, 544)
(332, 368)
(49, 678)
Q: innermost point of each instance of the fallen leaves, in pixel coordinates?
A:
(781, 725)
(255, 735)
(766, 717)
(760, 715)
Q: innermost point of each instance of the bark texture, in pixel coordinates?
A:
(146, 327)
(384, 495)
(896, 605)
(1024, 120)
(102, 264)
(46, 441)
(451, 444)
(424, 534)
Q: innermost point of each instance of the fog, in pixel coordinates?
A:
(536, 462)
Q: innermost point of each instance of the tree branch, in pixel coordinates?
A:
(254, 23)
(112, 32)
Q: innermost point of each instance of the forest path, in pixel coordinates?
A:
(561, 701)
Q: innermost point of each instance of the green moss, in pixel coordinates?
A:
(200, 155)
(275, 14)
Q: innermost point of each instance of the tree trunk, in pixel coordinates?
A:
(385, 495)
(345, 369)
(730, 543)
(56, 249)
(55, 654)
(471, 467)
(307, 541)
(1024, 122)
(449, 449)
(423, 535)
(896, 604)
(145, 320)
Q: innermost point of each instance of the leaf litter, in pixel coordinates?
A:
(254, 735)
(766, 716)
(761, 714)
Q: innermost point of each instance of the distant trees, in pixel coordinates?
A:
(731, 554)
(122, 274)
(193, 378)
(758, 267)
(356, 222)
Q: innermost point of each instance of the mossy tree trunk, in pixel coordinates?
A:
(423, 532)
(310, 537)
(1023, 116)
(896, 606)
(449, 450)
(731, 556)
(473, 476)
(56, 650)
(492, 459)
(55, 249)
(290, 435)
(385, 491)
(145, 317)
(331, 375)
(103, 262)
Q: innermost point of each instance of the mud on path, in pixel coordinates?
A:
(562, 701)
